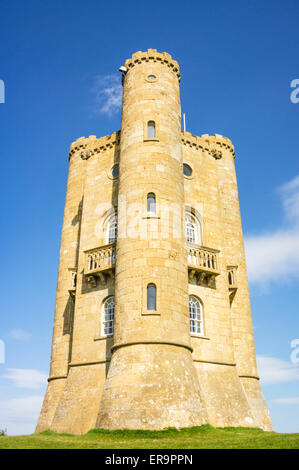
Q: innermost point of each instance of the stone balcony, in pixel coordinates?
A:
(203, 264)
(99, 262)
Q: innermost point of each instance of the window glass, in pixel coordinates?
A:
(191, 230)
(151, 203)
(115, 171)
(187, 170)
(108, 317)
(195, 313)
(151, 130)
(112, 230)
(151, 297)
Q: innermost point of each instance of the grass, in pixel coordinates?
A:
(202, 437)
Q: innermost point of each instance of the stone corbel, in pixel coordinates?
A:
(211, 281)
(201, 278)
(91, 281)
(86, 155)
(102, 279)
(217, 154)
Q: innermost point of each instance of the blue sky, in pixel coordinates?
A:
(59, 62)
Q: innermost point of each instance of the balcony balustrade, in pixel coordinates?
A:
(203, 264)
(99, 261)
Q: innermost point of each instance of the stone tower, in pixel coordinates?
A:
(152, 320)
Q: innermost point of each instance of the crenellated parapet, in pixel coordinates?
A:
(211, 143)
(214, 144)
(91, 145)
(154, 56)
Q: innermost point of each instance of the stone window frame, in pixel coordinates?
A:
(201, 321)
(107, 228)
(148, 119)
(151, 212)
(196, 216)
(104, 221)
(111, 171)
(151, 81)
(146, 214)
(145, 282)
(148, 287)
(103, 321)
(114, 159)
(192, 168)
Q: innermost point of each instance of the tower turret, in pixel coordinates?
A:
(152, 382)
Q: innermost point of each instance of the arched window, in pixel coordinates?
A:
(108, 317)
(151, 297)
(191, 230)
(151, 203)
(111, 233)
(195, 313)
(151, 130)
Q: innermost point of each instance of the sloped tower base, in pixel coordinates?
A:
(161, 390)
(151, 386)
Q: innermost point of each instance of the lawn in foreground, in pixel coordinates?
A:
(202, 437)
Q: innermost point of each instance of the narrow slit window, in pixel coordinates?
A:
(151, 203)
(151, 130)
(115, 171)
(151, 297)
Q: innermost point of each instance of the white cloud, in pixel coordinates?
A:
(290, 194)
(108, 94)
(20, 415)
(286, 401)
(273, 370)
(26, 378)
(275, 256)
(20, 335)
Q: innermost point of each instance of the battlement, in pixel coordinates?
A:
(153, 55)
(94, 144)
(210, 143)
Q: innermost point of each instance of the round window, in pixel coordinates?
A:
(187, 170)
(115, 171)
(151, 77)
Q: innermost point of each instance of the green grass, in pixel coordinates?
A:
(202, 437)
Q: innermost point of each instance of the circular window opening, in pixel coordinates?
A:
(187, 170)
(151, 78)
(115, 171)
